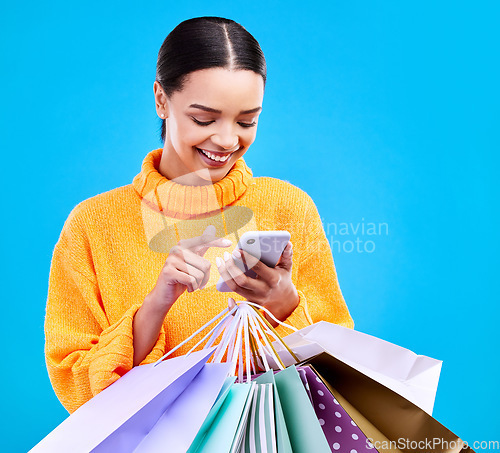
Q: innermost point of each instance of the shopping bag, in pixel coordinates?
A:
(252, 409)
(302, 424)
(207, 424)
(283, 444)
(415, 377)
(340, 430)
(178, 426)
(390, 422)
(118, 418)
(269, 413)
(260, 432)
(224, 435)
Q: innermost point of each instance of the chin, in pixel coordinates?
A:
(216, 174)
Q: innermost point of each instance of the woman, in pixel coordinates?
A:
(131, 273)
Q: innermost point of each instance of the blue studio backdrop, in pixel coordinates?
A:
(386, 113)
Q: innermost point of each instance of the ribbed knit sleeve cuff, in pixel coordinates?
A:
(115, 354)
(299, 318)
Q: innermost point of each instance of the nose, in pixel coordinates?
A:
(226, 138)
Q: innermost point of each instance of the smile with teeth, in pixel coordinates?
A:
(215, 157)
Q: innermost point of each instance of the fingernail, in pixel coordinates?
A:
(218, 261)
(226, 256)
(226, 242)
(237, 254)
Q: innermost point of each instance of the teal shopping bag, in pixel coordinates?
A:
(260, 433)
(282, 438)
(226, 422)
(302, 424)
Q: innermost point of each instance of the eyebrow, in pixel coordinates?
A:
(211, 110)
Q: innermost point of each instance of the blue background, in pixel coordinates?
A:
(384, 112)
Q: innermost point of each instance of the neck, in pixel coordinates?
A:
(173, 169)
(187, 179)
(184, 200)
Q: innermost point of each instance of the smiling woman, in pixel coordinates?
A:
(131, 272)
(209, 124)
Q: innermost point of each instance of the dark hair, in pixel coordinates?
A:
(202, 43)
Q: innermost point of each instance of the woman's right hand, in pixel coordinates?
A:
(185, 269)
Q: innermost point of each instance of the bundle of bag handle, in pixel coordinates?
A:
(246, 340)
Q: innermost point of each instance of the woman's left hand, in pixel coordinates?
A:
(272, 288)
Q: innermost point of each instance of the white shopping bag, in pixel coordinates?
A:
(415, 377)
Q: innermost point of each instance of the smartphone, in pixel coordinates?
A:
(266, 246)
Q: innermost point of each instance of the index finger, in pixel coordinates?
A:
(221, 242)
(205, 241)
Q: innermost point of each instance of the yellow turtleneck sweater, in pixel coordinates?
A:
(113, 246)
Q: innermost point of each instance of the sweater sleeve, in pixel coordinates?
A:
(320, 297)
(84, 352)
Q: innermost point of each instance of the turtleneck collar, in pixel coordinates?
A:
(180, 201)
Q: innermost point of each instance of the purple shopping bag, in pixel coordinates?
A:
(340, 430)
(178, 426)
(120, 417)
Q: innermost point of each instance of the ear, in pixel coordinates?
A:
(160, 100)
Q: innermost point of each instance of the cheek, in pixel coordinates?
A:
(192, 136)
(249, 137)
(184, 135)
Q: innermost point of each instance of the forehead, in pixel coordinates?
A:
(222, 89)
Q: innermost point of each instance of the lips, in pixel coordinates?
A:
(218, 153)
(211, 162)
(214, 158)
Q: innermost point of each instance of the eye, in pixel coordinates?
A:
(247, 124)
(201, 123)
(207, 123)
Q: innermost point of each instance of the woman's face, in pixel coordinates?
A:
(210, 123)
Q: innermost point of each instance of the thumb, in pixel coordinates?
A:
(285, 261)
